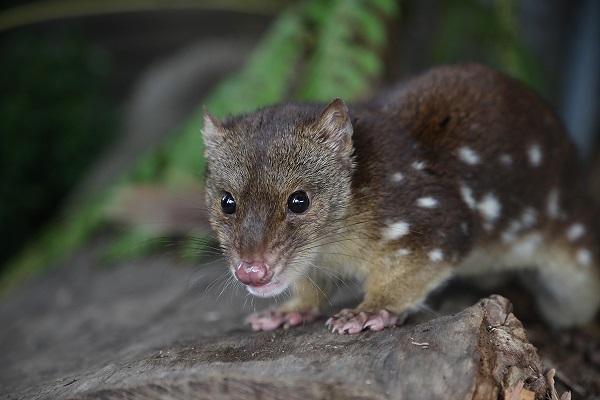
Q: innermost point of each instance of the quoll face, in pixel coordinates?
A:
(270, 220)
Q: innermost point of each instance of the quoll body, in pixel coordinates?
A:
(461, 170)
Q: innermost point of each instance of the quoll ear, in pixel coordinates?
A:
(212, 131)
(334, 128)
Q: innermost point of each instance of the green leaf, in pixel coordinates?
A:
(388, 7)
(370, 26)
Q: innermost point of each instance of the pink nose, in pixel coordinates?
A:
(254, 273)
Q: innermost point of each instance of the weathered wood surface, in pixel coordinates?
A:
(138, 332)
(478, 353)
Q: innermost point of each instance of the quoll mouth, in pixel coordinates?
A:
(271, 289)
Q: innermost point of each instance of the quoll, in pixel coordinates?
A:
(461, 170)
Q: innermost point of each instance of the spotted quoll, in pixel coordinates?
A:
(461, 170)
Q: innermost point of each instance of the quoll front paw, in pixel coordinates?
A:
(273, 319)
(353, 321)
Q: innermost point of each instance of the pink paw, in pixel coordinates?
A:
(352, 321)
(269, 320)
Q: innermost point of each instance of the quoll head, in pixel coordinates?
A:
(277, 185)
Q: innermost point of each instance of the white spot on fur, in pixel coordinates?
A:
(529, 217)
(584, 257)
(535, 155)
(511, 233)
(464, 227)
(398, 177)
(527, 246)
(506, 159)
(508, 237)
(490, 208)
(420, 165)
(552, 204)
(427, 202)
(436, 255)
(527, 220)
(467, 195)
(575, 232)
(396, 230)
(467, 155)
(403, 252)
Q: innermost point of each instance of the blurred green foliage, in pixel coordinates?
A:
(487, 32)
(349, 37)
(54, 118)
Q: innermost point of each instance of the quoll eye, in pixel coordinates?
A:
(298, 202)
(228, 203)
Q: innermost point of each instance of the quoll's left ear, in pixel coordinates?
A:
(334, 128)
(212, 131)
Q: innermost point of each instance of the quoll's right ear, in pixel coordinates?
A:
(212, 131)
(334, 129)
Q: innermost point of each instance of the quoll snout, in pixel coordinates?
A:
(254, 273)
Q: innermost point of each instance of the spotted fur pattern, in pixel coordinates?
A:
(459, 170)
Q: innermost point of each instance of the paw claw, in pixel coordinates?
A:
(352, 322)
(270, 320)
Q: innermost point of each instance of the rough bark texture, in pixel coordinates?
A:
(309, 363)
(138, 332)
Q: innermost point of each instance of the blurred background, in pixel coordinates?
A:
(100, 101)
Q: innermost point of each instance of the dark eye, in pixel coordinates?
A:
(298, 202)
(228, 203)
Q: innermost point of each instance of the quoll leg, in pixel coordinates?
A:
(390, 295)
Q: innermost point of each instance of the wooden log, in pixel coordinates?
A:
(479, 353)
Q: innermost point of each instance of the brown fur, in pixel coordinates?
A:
(460, 169)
